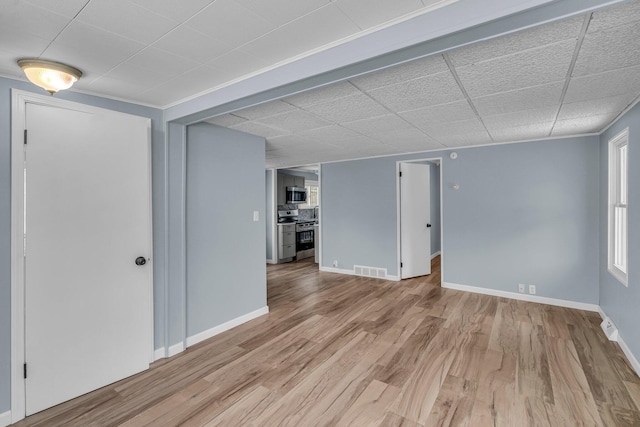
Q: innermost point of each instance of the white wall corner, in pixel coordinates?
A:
(523, 297)
(5, 419)
(194, 339)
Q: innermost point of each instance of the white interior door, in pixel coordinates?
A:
(87, 219)
(415, 220)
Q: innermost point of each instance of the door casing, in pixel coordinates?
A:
(398, 210)
(19, 100)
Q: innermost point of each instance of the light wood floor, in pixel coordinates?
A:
(343, 350)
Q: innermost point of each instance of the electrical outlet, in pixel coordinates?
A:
(335, 263)
(521, 288)
(256, 215)
(532, 289)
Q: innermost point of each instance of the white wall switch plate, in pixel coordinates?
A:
(335, 263)
(521, 288)
(256, 215)
(532, 289)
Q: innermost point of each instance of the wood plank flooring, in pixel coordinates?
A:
(341, 350)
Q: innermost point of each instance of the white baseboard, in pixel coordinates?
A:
(175, 349)
(433, 255)
(523, 297)
(5, 419)
(194, 339)
(272, 261)
(625, 348)
(352, 273)
(159, 353)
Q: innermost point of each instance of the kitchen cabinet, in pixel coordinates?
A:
(285, 181)
(286, 241)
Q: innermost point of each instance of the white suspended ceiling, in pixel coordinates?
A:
(569, 77)
(563, 78)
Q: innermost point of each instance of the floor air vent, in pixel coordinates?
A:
(378, 273)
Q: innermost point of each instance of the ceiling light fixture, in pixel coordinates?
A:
(49, 75)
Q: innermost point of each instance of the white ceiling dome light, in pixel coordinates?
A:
(49, 75)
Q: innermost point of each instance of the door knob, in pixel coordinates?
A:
(141, 260)
(428, 225)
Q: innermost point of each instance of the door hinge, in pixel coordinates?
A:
(25, 371)
(400, 171)
(400, 267)
(25, 137)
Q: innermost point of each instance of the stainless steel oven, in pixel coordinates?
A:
(304, 240)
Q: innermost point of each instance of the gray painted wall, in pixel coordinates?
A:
(620, 303)
(158, 176)
(269, 211)
(307, 175)
(226, 272)
(524, 213)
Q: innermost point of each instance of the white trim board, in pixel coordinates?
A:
(201, 336)
(523, 297)
(433, 255)
(175, 349)
(159, 353)
(5, 419)
(635, 364)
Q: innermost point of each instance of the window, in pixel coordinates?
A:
(312, 193)
(618, 232)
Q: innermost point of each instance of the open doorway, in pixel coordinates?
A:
(419, 227)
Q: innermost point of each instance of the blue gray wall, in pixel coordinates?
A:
(620, 303)
(226, 272)
(158, 176)
(524, 213)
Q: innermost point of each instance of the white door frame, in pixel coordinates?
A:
(19, 100)
(398, 243)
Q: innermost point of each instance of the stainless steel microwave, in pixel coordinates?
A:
(296, 195)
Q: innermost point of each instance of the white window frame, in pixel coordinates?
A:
(618, 230)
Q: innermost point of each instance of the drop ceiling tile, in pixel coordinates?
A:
(287, 142)
(116, 87)
(240, 63)
(259, 129)
(192, 82)
(609, 50)
(529, 68)
(615, 15)
(126, 19)
(405, 137)
(68, 8)
(264, 110)
(442, 131)
(91, 49)
(609, 105)
(443, 113)
(294, 121)
(521, 99)
(226, 120)
(20, 45)
(162, 61)
(374, 127)
(178, 10)
(280, 12)
(142, 78)
(330, 134)
(466, 139)
(401, 73)
(520, 118)
(351, 108)
(21, 18)
(368, 13)
(436, 89)
(305, 34)
(521, 133)
(191, 44)
(581, 125)
(322, 94)
(222, 20)
(517, 42)
(603, 85)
